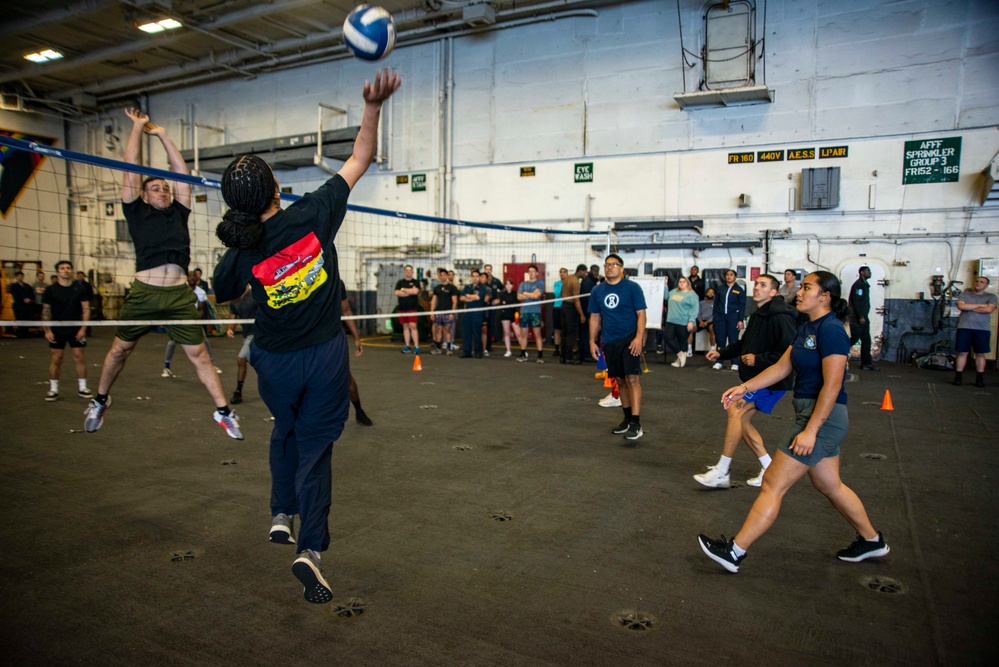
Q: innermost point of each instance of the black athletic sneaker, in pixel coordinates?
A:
(861, 549)
(237, 397)
(980, 380)
(958, 380)
(720, 551)
(634, 432)
(621, 428)
(362, 417)
(308, 570)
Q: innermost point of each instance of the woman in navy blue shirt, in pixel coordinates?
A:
(818, 356)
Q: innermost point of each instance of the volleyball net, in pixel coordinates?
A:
(59, 205)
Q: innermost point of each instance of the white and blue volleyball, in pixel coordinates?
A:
(369, 32)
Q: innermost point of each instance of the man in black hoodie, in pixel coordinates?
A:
(769, 333)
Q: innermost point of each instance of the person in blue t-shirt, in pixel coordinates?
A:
(818, 357)
(530, 292)
(617, 312)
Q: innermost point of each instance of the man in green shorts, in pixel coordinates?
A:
(157, 224)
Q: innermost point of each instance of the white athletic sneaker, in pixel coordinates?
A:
(230, 423)
(508, 354)
(167, 373)
(682, 358)
(218, 370)
(690, 350)
(676, 362)
(609, 401)
(735, 367)
(758, 480)
(713, 478)
(717, 366)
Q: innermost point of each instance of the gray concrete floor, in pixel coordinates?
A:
(598, 530)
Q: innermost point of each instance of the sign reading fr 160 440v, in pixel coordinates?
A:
(932, 161)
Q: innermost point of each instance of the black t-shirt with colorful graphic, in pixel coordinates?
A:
(295, 280)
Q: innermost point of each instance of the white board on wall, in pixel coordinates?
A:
(654, 289)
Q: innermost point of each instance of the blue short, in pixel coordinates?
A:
(764, 399)
(973, 338)
(532, 320)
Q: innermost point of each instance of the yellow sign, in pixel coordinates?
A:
(402, 180)
(833, 151)
(770, 156)
(801, 154)
(526, 171)
(741, 158)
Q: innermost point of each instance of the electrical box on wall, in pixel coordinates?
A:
(820, 188)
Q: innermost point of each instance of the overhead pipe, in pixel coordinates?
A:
(277, 63)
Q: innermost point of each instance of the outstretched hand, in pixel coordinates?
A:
(137, 117)
(386, 82)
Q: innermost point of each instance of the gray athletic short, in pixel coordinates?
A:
(244, 352)
(829, 438)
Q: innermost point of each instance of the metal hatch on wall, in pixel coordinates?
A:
(291, 152)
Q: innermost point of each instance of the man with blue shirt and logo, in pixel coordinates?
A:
(730, 310)
(617, 313)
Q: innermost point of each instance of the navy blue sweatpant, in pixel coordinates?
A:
(309, 395)
(726, 330)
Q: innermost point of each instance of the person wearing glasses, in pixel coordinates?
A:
(157, 223)
(617, 313)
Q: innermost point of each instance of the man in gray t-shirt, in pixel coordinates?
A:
(529, 293)
(974, 328)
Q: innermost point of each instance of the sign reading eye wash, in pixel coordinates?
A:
(932, 161)
(584, 172)
(419, 183)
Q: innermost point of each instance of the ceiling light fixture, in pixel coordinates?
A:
(160, 26)
(43, 56)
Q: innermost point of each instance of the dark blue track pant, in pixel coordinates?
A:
(726, 331)
(309, 395)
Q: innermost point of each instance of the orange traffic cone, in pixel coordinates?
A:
(886, 403)
(608, 383)
(417, 366)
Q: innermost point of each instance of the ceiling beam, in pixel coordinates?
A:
(70, 64)
(79, 10)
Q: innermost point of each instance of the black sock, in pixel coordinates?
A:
(627, 413)
(636, 420)
(557, 350)
(224, 410)
(540, 353)
(101, 398)
(239, 385)
(357, 405)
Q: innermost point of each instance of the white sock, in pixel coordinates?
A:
(54, 386)
(765, 461)
(875, 539)
(737, 550)
(723, 464)
(82, 383)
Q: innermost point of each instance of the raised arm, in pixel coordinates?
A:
(181, 191)
(386, 82)
(131, 183)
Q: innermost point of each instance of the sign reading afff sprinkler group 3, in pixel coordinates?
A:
(932, 161)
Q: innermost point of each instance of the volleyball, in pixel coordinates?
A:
(369, 32)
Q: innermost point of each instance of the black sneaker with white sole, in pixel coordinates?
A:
(721, 552)
(634, 432)
(306, 569)
(861, 549)
(621, 428)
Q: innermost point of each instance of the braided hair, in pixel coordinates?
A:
(828, 282)
(248, 189)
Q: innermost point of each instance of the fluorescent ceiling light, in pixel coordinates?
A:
(160, 26)
(43, 56)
